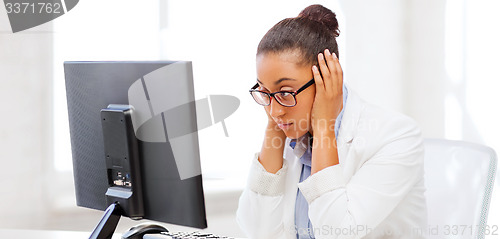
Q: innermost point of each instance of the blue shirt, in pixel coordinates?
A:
(302, 148)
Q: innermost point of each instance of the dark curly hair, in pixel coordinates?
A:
(311, 32)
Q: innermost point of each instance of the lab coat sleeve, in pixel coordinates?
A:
(342, 208)
(260, 209)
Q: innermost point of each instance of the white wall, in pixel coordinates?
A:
(424, 60)
(25, 131)
(374, 50)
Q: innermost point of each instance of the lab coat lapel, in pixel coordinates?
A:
(350, 120)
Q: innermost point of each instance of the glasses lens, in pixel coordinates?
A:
(260, 98)
(285, 98)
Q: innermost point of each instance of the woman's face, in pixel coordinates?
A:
(281, 72)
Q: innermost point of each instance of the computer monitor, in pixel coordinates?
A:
(156, 101)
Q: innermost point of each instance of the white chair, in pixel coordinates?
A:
(459, 177)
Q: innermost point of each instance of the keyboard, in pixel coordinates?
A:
(184, 235)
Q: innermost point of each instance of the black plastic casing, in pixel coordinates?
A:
(93, 86)
(122, 161)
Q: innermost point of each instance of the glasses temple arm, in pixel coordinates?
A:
(305, 86)
(255, 86)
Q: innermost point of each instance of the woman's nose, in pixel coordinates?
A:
(275, 109)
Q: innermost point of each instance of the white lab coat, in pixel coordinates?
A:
(376, 190)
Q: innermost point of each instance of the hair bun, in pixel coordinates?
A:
(322, 15)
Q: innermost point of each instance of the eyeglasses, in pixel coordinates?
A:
(284, 98)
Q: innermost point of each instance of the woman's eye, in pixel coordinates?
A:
(285, 94)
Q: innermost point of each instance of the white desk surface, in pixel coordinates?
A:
(40, 234)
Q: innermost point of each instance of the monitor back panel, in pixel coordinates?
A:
(92, 86)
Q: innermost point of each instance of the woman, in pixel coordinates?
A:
(331, 165)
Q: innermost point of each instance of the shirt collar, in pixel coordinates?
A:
(301, 145)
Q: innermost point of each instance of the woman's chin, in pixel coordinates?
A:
(293, 134)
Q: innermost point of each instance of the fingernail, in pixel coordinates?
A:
(320, 55)
(315, 68)
(334, 55)
(327, 52)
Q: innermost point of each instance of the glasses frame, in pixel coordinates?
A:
(271, 95)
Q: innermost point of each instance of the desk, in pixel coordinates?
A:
(40, 234)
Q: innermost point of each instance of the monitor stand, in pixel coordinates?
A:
(108, 223)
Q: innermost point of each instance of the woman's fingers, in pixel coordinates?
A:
(320, 87)
(335, 70)
(330, 59)
(329, 74)
(325, 72)
(338, 72)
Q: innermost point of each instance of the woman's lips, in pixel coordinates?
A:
(284, 126)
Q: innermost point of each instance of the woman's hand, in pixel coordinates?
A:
(327, 106)
(271, 154)
(328, 100)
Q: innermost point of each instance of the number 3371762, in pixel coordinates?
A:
(33, 8)
(464, 229)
